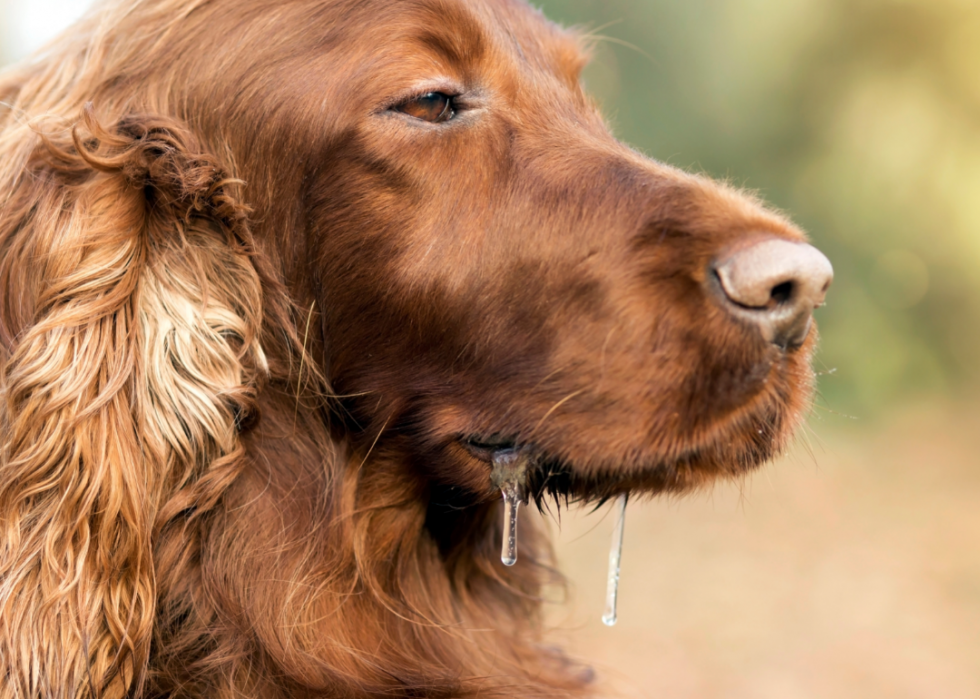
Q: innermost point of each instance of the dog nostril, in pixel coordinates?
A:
(781, 293)
(775, 284)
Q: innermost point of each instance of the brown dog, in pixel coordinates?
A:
(280, 280)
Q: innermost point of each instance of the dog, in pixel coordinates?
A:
(282, 282)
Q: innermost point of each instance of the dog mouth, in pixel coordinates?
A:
(538, 477)
(547, 477)
(583, 463)
(730, 448)
(485, 447)
(592, 451)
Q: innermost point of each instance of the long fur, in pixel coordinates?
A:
(132, 361)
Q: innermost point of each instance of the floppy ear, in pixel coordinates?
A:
(129, 326)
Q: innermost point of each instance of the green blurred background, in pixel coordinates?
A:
(850, 568)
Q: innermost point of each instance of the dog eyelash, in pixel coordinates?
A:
(433, 107)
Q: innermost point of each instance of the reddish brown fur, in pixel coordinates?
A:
(209, 214)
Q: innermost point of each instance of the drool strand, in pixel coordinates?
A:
(509, 474)
(615, 558)
(508, 548)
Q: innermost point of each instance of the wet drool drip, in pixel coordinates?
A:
(509, 475)
(615, 558)
(508, 547)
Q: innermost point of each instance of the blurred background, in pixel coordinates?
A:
(851, 567)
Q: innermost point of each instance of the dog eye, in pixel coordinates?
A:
(434, 107)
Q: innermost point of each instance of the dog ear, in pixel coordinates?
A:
(130, 333)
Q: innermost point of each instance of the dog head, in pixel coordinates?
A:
(492, 269)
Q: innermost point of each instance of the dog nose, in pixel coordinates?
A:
(775, 284)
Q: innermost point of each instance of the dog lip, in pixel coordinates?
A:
(484, 447)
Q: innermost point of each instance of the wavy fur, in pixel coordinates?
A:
(121, 391)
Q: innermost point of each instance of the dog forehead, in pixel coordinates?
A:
(349, 59)
(463, 36)
(317, 66)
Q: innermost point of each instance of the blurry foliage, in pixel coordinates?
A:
(861, 120)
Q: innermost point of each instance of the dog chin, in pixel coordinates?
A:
(727, 450)
(555, 478)
(560, 477)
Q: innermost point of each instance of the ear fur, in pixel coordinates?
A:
(130, 356)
